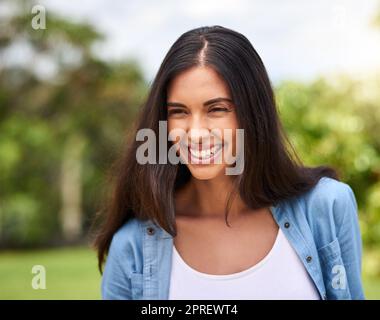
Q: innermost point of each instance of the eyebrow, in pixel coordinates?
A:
(205, 104)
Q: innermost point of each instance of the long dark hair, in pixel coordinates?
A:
(272, 171)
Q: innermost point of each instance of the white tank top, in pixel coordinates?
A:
(279, 275)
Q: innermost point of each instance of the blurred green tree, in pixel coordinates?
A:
(58, 131)
(336, 122)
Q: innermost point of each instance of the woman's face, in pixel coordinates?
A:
(199, 103)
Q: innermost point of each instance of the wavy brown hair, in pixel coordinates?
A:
(272, 170)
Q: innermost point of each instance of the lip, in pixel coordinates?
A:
(208, 157)
(199, 147)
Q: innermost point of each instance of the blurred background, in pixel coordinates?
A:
(69, 93)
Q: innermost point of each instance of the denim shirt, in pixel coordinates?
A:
(321, 225)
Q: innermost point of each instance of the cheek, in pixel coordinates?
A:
(170, 125)
(176, 124)
(176, 131)
(227, 122)
(226, 126)
(230, 125)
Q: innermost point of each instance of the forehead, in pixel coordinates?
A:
(198, 83)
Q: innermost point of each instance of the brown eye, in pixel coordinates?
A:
(218, 109)
(176, 112)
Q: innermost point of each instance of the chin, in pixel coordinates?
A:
(206, 172)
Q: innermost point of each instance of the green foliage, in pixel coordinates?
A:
(336, 123)
(88, 99)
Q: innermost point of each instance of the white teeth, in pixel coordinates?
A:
(205, 153)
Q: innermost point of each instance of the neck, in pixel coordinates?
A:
(209, 197)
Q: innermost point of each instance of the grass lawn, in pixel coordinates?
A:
(371, 288)
(71, 273)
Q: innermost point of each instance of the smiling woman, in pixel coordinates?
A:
(202, 117)
(277, 230)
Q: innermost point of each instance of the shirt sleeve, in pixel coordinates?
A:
(116, 285)
(350, 241)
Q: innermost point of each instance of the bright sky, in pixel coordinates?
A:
(296, 39)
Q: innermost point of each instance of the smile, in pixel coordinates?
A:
(199, 155)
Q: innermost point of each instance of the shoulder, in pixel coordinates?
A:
(128, 232)
(126, 244)
(328, 206)
(328, 191)
(329, 194)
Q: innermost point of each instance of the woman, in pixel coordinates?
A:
(189, 230)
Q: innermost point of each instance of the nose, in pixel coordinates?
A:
(198, 130)
(198, 136)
